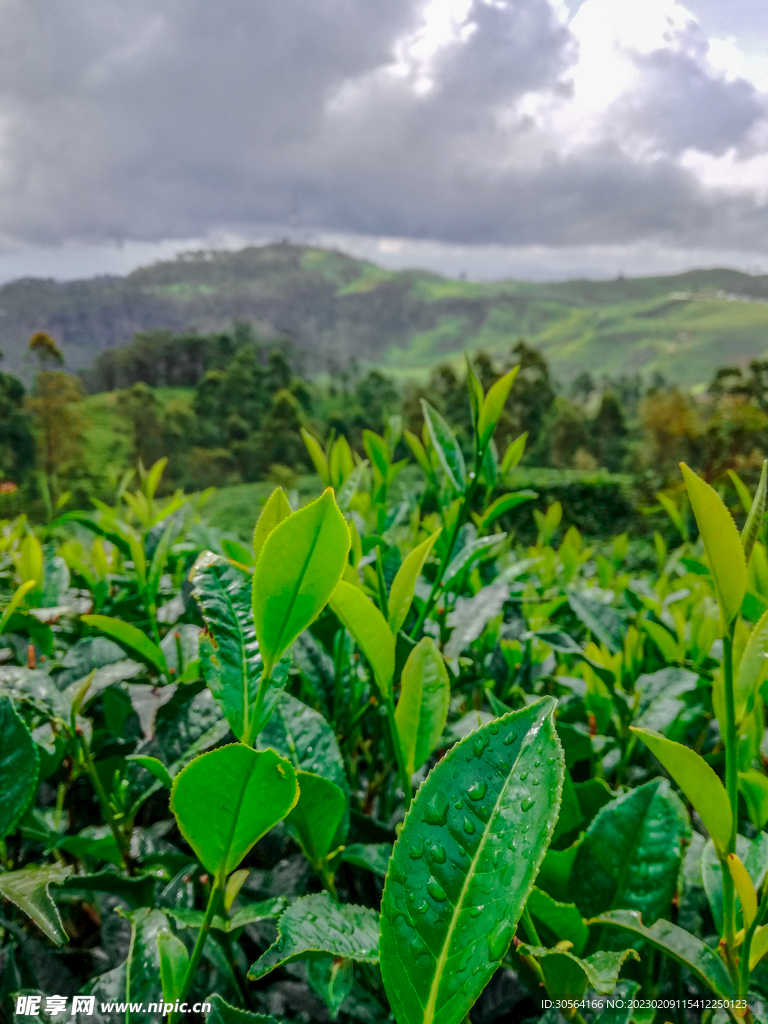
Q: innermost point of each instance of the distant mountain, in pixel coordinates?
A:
(335, 307)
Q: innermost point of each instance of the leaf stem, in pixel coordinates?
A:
(405, 778)
(194, 960)
(123, 845)
(731, 785)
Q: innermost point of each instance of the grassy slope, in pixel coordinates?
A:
(336, 307)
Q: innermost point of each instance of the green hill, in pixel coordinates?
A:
(335, 307)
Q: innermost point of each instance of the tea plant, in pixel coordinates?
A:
(384, 763)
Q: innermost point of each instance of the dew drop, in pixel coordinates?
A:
(523, 774)
(416, 852)
(527, 804)
(469, 826)
(438, 854)
(535, 782)
(477, 791)
(436, 891)
(458, 803)
(475, 911)
(510, 738)
(479, 744)
(494, 728)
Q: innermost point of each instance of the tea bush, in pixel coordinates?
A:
(384, 762)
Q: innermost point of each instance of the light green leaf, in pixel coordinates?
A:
(227, 799)
(663, 639)
(446, 446)
(131, 637)
(31, 561)
(300, 565)
(19, 767)
(377, 451)
(230, 660)
(567, 976)
(18, 596)
(465, 862)
(317, 455)
(753, 786)
(319, 926)
(505, 504)
(159, 558)
(419, 453)
(514, 453)
(174, 961)
(753, 669)
(631, 854)
(370, 631)
(475, 389)
(276, 509)
(404, 583)
(678, 944)
(28, 890)
(697, 780)
(754, 521)
(674, 513)
(493, 405)
(422, 709)
(606, 625)
(154, 765)
(223, 1013)
(371, 856)
(316, 818)
(721, 542)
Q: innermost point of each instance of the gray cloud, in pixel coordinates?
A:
(174, 118)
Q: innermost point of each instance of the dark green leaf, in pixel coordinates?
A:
(223, 1013)
(446, 446)
(605, 624)
(131, 637)
(566, 976)
(318, 925)
(28, 890)
(465, 862)
(317, 816)
(19, 766)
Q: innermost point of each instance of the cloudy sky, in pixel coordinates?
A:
(530, 138)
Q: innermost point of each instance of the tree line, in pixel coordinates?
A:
(237, 403)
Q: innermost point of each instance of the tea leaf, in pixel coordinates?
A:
(318, 925)
(754, 521)
(493, 405)
(464, 864)
(697, 780)
(223, 1013)
(721, 542)
(129, 636)
(446, 446)
(317, 455)
(174, 961)
(317, 816)
(275, 510)
(370, 631)
(631, 854)
(678, 944)
(752, 670)
(28, 890)
(404, 583)
(567, 976)
(19, 767)
(422, 709)
(227, 799)
(300, 565)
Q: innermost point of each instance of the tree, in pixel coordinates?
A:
(17, 441)
(609, 432)
(54, 407)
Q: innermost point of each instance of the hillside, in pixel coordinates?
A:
(335, 307)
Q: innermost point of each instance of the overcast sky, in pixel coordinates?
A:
(529, 138)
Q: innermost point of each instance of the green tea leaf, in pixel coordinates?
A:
(422, 709)
(154, 765)
(276, 509)
(562, 921)
(17, 597)
(446, 446)
(678, 944)
(319, 926)
(223, 1013)
(606, 625)
(419, 453)
(371, 856)
(754, 521)
(300, 565)
(230, 659)
(514, 453)
(753, 786)
(404, 583)
(465, 862)
(752, 669)
(721, 542)
(19, 767)
(131, 637)
(28, 890)
(697, 780)
(505, 504)
(493, 405)
(370, 631)
(377, 451)
(227, 799)
(317, 455)
(316, 818)
(631, 854)
(567, 976)
(174, 961)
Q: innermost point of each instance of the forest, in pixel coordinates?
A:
(465, 724)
